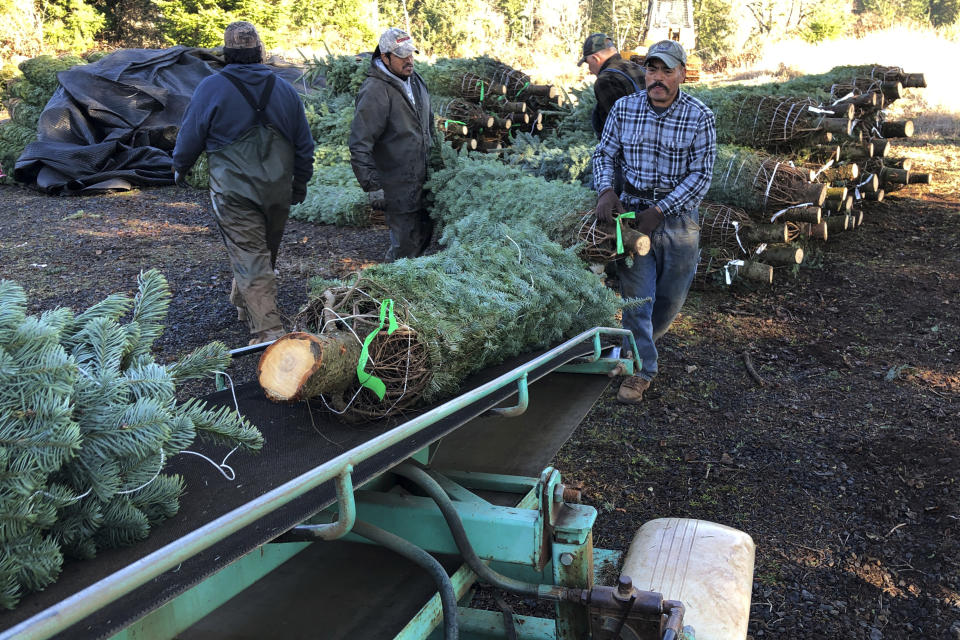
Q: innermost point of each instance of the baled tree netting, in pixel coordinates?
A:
(88, 421)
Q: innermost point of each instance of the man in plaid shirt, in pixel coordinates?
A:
(666, 143)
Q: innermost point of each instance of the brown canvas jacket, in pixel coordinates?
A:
(390, 139)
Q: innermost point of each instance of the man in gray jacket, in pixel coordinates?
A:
(390, 143)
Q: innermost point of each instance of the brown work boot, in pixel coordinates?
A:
(631, 390)
(269, 335)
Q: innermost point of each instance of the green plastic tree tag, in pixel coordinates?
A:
(369, 380)
(628, 215)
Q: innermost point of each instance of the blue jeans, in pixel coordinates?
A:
(664, 275)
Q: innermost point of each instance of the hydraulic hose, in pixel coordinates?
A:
(423, 480)
(412, 552)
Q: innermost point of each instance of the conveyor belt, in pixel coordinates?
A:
(292, 447)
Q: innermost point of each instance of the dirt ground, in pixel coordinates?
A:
(843, 465)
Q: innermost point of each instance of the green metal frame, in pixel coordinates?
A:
(85, 602)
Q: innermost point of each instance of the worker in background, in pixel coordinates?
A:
(260, 152)
(391, 141)
(667, 143)
(616, 77)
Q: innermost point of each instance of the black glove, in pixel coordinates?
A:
(180, 179)
(608, 205)
(377, 199)
(299, 193)
(648, 220)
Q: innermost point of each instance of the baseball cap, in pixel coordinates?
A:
(241, 35)
(669, 52)
(398, 42)
(595, 42)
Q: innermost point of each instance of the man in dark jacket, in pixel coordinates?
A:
(252, 126)
(616, 77)
(390, 143)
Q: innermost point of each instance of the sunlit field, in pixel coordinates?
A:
(934, 110)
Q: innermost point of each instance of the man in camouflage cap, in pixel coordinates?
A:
(260, 152)
(616, 77)
(391, 140)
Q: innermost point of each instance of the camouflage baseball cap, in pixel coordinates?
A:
(595, 42)
(669, 52)
(398, 42)
(241, 35)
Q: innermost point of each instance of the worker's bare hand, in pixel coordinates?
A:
(608, 205)
(377, 199)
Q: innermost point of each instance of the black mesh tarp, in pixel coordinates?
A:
(112, 124)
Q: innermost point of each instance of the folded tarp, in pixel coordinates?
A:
(112, 125)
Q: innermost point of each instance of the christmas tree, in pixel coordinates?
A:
(88, 421)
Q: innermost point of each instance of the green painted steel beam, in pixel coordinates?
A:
(476, 624)
(190, 606)
(603, 366)
(506, 534)
(477, 481)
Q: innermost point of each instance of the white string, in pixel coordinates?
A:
(760, 249)
(823, 168)
(766, 194)
(814, 109)
(733, 265)
(163, 459)
(795, 206)
(839, 100)
(520, 253)
(736, 234)
(223, 464)
(219, 467)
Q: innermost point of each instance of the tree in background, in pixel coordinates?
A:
(70, 25)
(132, 23)
(824, 21)
(200, 23)
(713, 21)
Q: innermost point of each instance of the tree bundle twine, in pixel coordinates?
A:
(399, 359)
(720, 227)
(771, 121)
(760, 182)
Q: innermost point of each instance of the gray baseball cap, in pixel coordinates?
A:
(398, 42)
(669, 52)
(594, 42)
(241, 35)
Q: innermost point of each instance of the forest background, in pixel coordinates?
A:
(531, 34)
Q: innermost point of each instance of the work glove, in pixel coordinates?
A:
(299, 193)
(180, 179)
(608, 205)
(377, 199)
(648, 220)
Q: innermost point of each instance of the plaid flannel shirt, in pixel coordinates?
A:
(674, 150)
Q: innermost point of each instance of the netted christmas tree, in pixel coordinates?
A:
(501, 287)
(88, 421)
(761, 182)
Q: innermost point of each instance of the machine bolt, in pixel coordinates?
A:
(624, 586)
(566, 559)
(571, 495)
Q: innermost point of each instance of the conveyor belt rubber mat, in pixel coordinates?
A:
(296, 440)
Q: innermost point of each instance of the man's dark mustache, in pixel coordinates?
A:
(657, 84)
